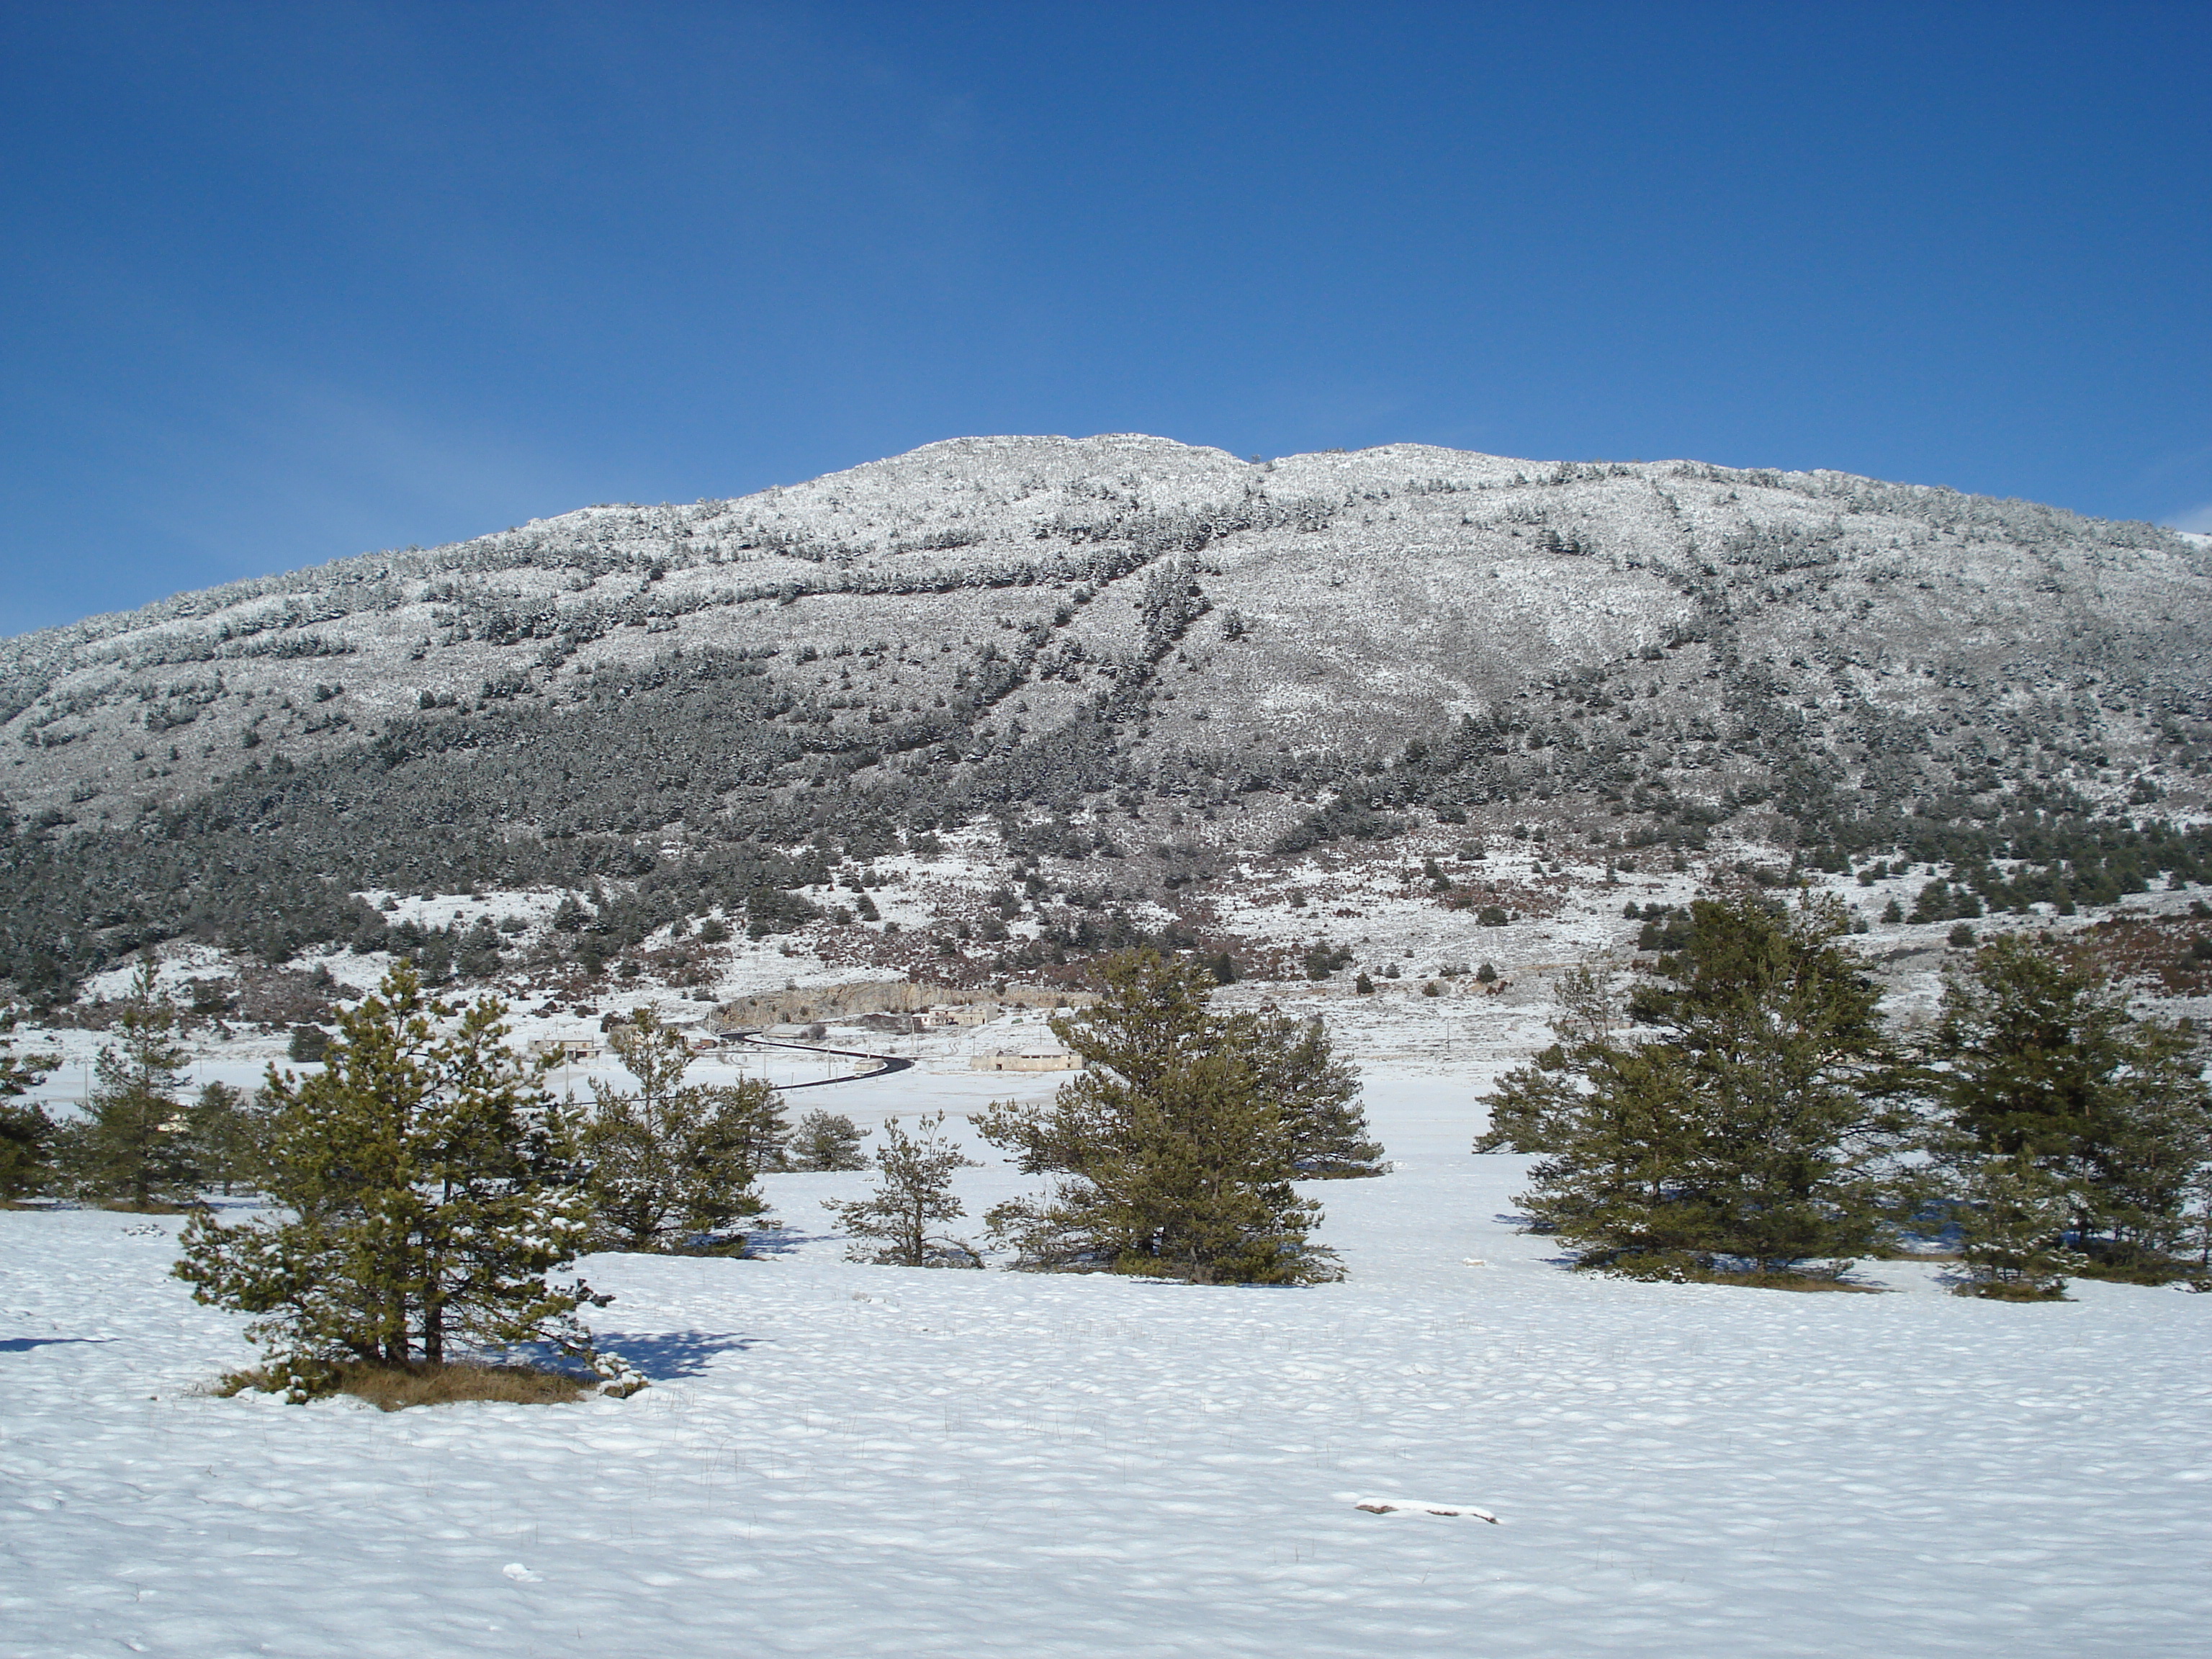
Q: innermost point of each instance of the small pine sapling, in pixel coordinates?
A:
(133, 1148)
(892, 1226)
(230, 1133)
(825, 1140)
(2012, 1218)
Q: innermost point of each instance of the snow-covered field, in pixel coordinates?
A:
(842, 1460)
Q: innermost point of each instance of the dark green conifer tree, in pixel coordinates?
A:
(230, 1136)
(2039, 1069)
(27, 1134)
(672, 1162)
(1293, 1065)
(1533, 1104)
(1753, 1133)
(2012, 1217)
(822, 1141)
(894, 1225)
(133, 1148)
(1170, 1155)
(430, 1191)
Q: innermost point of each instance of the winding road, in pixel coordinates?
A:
(886, 1064)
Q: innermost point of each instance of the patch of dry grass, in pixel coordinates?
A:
(1774, 1281)
(1987, 1291)
(395, 1387)
(2173, 953)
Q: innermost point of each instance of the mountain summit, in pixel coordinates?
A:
(1066, 640)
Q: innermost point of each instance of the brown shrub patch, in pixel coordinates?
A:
(395, 1387)
(1993, 1291)
(2172, 953)
(1775, 1281)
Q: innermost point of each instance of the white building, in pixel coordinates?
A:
(1038, 1057)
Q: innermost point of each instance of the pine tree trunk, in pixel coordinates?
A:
(141, 1165)
(395, 1341)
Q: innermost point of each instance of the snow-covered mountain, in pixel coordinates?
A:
(1060, 632)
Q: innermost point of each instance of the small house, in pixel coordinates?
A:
(566, 1050)
(1037, 1058)
(941, 1018)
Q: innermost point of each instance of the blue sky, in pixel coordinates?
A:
(283, 284)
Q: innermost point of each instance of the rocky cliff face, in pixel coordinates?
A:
(1054, 633)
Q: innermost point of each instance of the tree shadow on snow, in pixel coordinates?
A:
(781, 1238)
(1527, 1225)
(25, 1344)
(664, 1356)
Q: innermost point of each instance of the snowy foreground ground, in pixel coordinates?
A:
(839, 1459)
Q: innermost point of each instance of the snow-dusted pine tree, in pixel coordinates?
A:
(230, 1137)
(1534, 1104)
(1752, 1134)
(672, 1162)
(1293, 1064)
(1170, 1155)
(2041, 1068)
(824, 1140)
(2012, 1221)
(132, 1149)
(892, 1226)
(431, 1191)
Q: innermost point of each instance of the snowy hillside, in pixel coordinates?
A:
(1126, 670)
(1379, 596)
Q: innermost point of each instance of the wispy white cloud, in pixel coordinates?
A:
(2198, 519)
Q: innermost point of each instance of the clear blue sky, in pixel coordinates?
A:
(285, 282)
